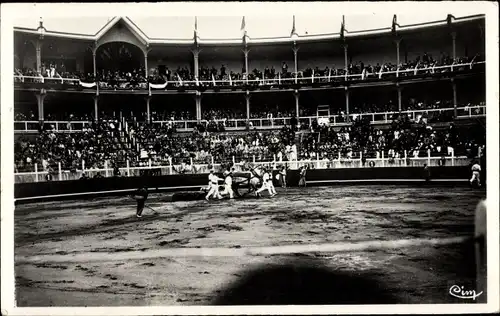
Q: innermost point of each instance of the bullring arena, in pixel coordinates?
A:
(392, 148)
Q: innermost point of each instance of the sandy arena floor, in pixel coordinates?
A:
(313, 215)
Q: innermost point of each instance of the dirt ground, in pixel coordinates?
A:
(294, 216)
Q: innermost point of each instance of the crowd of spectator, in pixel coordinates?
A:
(402, 139)
(137, 79)
(139, 144)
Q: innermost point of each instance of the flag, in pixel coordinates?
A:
(449, 19)
(179, 79)
(195, 27)
(394, 24)
(213, 79)
(472, 61)
(293, 27)
(342, 29)
(88, 85)
(243, 24)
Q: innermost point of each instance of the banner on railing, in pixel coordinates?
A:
(88, 85)
(158, 86)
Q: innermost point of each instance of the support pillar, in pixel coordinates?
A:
(196, 62)
(398, 41)
(148, 110)
(247, 98)
(40, 97)
(38, 46)
(145, 65)
(96, 107)
(346, 64)
(295, 59)
(246, 51)
(399, 98)
(94, 51)
(347, 104)
(198, 106)
(454, 44)
(454, 86)
(297, 95)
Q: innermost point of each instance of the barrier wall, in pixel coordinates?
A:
(123, 185)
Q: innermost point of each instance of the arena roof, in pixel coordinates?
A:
(228, 29)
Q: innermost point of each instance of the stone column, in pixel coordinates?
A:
(347, 103)
(295, 59)
(454, 43)
(297, 95)
(398, 41)
(246, 51)
(196, 54)
(148, 110)
(454, 87)
(399, 98)
(94, 51)
(346, 64)
(198, 106)
(247, 98)
(40, 97)
(96, 107)
(38, 46)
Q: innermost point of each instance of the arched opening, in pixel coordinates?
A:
(119, 56)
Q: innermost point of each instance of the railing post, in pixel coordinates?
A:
(406, 158)
(36, 172)
(428, 157)
(26, 126)
(339, 156)
(191, 161)
(317, 160)
(170, 165)
(253, 158)
(234, 160)
(452, 158)
(212, 160)
(83, 166)
(361, 159)
(128, 168)
(60, 171)
(106, 168)
(149, 163)
(383, 160)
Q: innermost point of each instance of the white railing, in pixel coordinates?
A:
(295, 77)
(175, 168)
(264, 123)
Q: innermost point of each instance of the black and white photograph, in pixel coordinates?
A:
(239, 158)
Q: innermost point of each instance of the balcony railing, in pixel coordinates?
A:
(292, 78)
(265, 123)
(172, 167)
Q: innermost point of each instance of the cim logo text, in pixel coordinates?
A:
(461, 292)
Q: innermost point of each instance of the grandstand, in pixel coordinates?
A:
(396, 113)
(128, 89)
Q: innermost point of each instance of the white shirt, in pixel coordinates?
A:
(265, 177)
(229, 180)
(476, 167)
